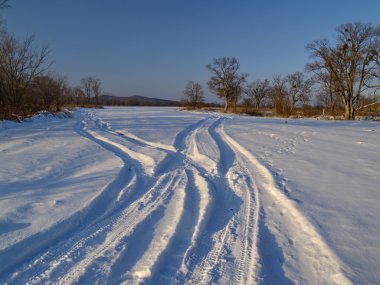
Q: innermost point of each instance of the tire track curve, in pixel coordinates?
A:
(304, 249)
(233, 254)
(56, 261)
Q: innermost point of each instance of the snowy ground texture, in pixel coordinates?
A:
(160, 196)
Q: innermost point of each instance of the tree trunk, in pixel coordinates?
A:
(226, 105)
(58, 104)
(349, 110)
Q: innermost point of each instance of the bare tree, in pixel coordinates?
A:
(257, 92)
(246, 104)
(96, 89)
(79, 96)
(91, 87)
(299, 89)
(60, 86)
(86, 85)
(49, 90)
(328, 93)
(278, 94)
(352, 65)
(289, 91)
(194, 94)
(331, 88)
(226, 82)
(20, 63)
(43, 89)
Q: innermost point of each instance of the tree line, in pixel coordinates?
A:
(27, 84)
(340, 76)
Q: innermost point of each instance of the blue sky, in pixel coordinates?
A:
(154, 47)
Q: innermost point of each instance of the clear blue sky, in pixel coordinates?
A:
(154, 47)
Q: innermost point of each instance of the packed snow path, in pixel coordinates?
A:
(203, 210)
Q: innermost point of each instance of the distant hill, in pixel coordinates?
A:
(136, 100)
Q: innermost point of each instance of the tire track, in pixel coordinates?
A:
(134, 215)
(244, 227)
(164, 261)
(164, 232)
(39, 243)
(98, 229)
(171, 158)
(215, 265)
(203, 198)
(105, 126)
(147, 164)
(304, 249)
(242, 182)
(89, 220)
(246, 269)
(193, 217)
(183, 135)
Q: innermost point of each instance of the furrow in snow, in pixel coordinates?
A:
(245, 246)
(95, 209)
(204, 199)
(241, 247)
(216, 264)
(146, 161)
(308, 259)
(157, 145)
(97, 229)
(163, 233)
(212, 269)
(108, 250)
(200, 166)
(241, 181)
(105, 126)
(168, 263)
(174, 158)
(200, 159)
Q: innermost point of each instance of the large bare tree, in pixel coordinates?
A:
(351, 66)
(226, 81)
(194, 94)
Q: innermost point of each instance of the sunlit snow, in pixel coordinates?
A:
(163, 196)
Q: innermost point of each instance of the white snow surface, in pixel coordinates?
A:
(150, 195)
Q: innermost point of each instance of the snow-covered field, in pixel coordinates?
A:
(161, 196)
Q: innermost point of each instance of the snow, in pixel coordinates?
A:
(162, 196)
(333, 180)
